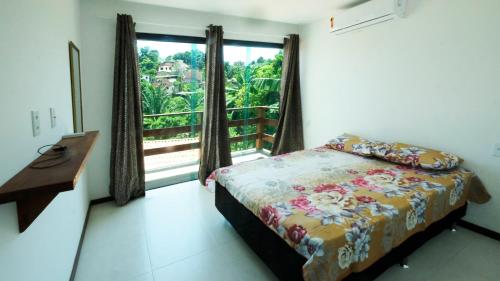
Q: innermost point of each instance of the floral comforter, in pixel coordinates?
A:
(341, 211)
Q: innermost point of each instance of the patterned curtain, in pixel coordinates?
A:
(127, 154)
(215, 151)
(289, 135)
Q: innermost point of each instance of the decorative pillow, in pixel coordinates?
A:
(419, 157)
(351, 144)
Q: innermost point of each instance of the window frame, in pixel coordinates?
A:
(203, 40)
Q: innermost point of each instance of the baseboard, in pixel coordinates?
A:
(479, 229)
(82, 236)
(101, 200)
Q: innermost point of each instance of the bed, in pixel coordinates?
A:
(322, 214)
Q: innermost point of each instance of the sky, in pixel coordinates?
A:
(232, 54)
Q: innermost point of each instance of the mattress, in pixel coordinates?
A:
(340, 211)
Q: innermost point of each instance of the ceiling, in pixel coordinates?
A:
(289, 11)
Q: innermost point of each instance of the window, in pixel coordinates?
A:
(253, 78)
(172, 71)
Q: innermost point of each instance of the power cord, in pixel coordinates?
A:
(55, 153)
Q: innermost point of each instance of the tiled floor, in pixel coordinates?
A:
(175, 233)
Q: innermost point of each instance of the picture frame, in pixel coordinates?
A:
(76, 87)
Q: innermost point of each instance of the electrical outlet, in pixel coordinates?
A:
(53, 117)
(35, 123)
(496, 150)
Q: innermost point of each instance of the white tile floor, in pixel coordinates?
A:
(175, 233)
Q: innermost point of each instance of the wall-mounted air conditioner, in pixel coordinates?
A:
(367, 13)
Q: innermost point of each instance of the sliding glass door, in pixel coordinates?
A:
(172, 84)
(253, 77)
(172, 70)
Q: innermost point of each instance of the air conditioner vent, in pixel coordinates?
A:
(367, 14)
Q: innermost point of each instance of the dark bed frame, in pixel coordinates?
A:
(287, 264)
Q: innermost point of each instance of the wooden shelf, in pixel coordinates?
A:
(34, 189)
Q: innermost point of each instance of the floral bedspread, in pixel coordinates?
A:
(341, 211)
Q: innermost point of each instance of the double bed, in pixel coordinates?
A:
(322, 214)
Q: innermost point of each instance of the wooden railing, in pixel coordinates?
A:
(260, 136)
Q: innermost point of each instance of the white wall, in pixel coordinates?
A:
(431, 79)
(98, 36)
(34, 75)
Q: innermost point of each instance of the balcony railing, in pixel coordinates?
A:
(259, 136)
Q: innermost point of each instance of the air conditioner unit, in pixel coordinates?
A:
(367, 14)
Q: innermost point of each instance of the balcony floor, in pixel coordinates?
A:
(170, 160)
(156, 178)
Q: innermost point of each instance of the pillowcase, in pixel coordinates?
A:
(381, 149)
(351, 144)
(398, 153)
(420, 157)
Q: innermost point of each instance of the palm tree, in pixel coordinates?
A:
(267, 84)
(154, 100)
(237, 86)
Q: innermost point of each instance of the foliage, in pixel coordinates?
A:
(149, 60)
(153, 99)
(194, 58)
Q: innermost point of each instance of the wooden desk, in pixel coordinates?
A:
(34, 189)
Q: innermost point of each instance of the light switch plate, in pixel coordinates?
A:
(35, 122)
(53, 118)
(496, 151)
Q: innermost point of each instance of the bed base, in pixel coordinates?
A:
(287, 264)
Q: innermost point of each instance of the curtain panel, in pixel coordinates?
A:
(127, 154)
(215, 151)
(289, 134)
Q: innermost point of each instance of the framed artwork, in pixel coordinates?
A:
(76, 87)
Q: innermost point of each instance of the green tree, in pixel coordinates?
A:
(149, 60)
(154, 99)
(194, 58)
